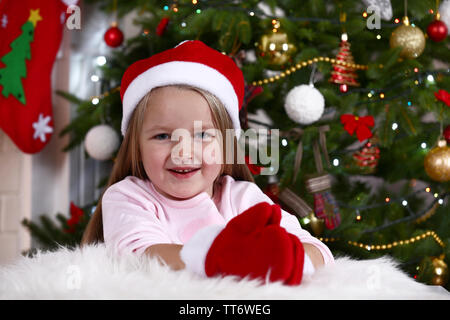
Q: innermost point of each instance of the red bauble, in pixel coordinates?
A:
(113, 37)
(437, 30)
(447, 134)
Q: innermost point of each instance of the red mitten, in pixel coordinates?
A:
(252, 244)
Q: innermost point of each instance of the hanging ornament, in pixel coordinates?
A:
(325, 205)
(357, 124)
(319, 184)
(275, 47)
(437, 30)
(437, 162)
(101, 142)
(367, 157)
(344, 75)
(444, 11)
(446, 134)
(304, 104)
(113, 36)
(410, 38)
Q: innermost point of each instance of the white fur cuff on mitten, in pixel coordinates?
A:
(195, 250)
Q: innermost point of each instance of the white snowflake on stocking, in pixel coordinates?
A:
(4, 21)
(41, 127)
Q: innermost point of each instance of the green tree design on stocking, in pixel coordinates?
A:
(16, 69)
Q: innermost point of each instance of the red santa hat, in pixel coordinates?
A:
(192, 63)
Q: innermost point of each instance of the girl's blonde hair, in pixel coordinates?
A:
(128, 161)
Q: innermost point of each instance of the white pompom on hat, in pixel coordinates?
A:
(192, 63)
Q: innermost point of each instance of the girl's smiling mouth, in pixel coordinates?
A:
(183, 172)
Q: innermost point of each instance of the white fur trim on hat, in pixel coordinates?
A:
(181, 72)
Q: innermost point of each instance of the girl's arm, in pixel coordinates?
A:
(169, 253)
(314, 254)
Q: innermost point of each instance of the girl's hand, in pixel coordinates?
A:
(249, 245)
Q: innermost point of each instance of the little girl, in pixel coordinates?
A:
(190, 208)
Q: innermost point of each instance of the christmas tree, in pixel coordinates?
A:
(365, 168)
(15, 68)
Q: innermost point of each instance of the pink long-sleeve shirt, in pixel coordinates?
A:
(136, 216)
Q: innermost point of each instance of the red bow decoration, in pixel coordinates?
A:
(76, 214)
(444, 96)
(361, 125)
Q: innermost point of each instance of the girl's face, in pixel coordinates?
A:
(179, 168)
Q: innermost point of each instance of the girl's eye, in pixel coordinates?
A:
(203, 135)
(161, 136)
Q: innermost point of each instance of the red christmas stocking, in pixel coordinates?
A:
(30, 33)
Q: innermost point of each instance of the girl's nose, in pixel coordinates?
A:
(186, 152)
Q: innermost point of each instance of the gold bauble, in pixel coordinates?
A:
(437, 162)
(410, 38)
(440, 272)
(276, 48)
(315, 225)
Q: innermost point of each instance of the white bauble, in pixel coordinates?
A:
(444, 10)
(304, 104)
(101, 142)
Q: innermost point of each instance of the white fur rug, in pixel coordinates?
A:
(91, 273)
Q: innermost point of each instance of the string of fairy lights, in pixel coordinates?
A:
(390, 245)
(306, 63)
